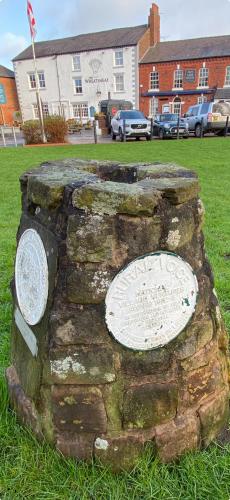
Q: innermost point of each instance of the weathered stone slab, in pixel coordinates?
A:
(75, 445)
(178, 436)
(74, 324)
(176, 190)
(148, 405)
(139, 235)
(119, 452)
(22, 405)
(81, 366)
(78, 410)
(46, 185)
(112, 198)
(214, 414)
(167, 170)
(87, 285)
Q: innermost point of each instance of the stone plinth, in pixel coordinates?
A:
(71, 381)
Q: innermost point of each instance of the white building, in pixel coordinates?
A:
(76, 73)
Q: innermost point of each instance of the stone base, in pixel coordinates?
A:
(83, 391)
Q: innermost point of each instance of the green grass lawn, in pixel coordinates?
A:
(29, 470)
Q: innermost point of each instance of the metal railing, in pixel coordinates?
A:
(8, 136)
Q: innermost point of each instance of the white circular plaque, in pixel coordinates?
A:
(31, 277)
(151, 301)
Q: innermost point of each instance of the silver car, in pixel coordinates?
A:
(130, 123)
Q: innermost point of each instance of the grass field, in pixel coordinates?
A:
(29, 470)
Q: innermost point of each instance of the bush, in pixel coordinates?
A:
(32, 132)
(56, 128)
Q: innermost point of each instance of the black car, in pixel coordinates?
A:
(166, 125)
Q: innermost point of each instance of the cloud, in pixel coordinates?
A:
(11, 45)
(179, 18)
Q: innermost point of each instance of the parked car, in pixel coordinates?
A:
(136, 125)
(109, 108)
(212, 114)
(166, 125)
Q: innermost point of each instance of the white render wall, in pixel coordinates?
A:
(59, 79)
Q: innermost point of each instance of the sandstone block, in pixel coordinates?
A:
(22, 405)
(113, 197)
(139, 235)
(79, 446)
(81, 366)
(213, 413)
(159, 170)
(88, 286)
(176, 190)
(46, 186)
(148, 405)
(120, 453)
(146, 363)
(78, 409)
(73, 324)
(178, 436)
(93, 238)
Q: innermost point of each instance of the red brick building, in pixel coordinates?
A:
(177, 74)
(8, 96)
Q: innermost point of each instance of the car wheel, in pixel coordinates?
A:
(113, 135)
(198, 131)
(148, 137)
(161, 134)
(121, 135)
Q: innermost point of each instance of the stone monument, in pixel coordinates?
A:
(117, 337)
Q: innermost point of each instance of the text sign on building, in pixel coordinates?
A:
(151, 301)
(190, 75)
(2, 95)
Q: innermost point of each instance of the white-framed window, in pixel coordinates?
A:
(119, 82)
(177, 106)
(178, 79)
(78, 85)
(154, 80)
(45, 109)
(41, 78)
(203, 77)
(76, 62)
(227, 77)
(153, 107)
(118, 58)
(201, 99)
(80, 110)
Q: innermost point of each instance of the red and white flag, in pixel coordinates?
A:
(31, 19)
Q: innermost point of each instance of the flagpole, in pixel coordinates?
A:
(40, 111)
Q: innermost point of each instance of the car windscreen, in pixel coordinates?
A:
(131, 115)
(222, 107)
(168, 117)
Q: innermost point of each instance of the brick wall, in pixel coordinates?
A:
(144, 44)
(11, 105)
(217, 72)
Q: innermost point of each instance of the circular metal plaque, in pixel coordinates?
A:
(151, 301)
(31, 277)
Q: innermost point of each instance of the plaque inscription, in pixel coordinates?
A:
(151, 301)
(31, 277)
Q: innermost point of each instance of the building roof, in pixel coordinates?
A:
(195, 48)
(119, 37)
(5, 72)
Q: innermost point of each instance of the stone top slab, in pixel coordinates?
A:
(114, 197)
(121, 188)
(167, 170)
(178, 190)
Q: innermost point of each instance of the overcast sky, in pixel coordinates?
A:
(58, 18)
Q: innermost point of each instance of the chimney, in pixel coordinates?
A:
(154, 24)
